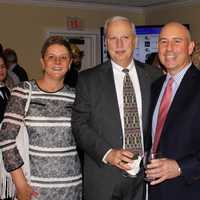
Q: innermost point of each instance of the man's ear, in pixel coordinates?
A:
(135, 41)
(191, 47)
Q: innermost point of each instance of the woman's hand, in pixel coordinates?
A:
(23, 190)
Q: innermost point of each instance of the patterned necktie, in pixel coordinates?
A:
(163, 110)
(131, 117)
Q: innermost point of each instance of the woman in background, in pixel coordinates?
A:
(54, 163)
(4, 96)
(4, 91)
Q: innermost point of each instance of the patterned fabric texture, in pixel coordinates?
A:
(131, 117)
(54, 162)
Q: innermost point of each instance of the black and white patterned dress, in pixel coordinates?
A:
(54, 162)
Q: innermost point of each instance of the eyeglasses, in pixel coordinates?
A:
(54, 58)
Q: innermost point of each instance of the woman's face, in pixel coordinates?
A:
(56, 62)
(3, 70)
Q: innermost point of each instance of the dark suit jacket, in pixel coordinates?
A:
(3, 101)
(71, 76)
(97, 127)
(180, 139)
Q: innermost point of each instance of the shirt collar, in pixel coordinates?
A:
(120, 68)
(179, 76)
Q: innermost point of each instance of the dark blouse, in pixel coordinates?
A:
(4, 95)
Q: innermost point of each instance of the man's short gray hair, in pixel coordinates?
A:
(117, 18)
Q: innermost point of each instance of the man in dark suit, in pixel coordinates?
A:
(177, 174)
(97, 118)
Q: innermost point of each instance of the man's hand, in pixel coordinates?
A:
(160, 170)
(120, 158)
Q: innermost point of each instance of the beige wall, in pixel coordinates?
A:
(24, 27)
(186, 14)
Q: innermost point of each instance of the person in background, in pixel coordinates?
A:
(98, 116)
(154, 60)
(15, 71)
(196, 55)
(4, 91)
(1, 48)
(175, 124)
(54, 162)
(8, 81)
(71, 76)
(4, 96)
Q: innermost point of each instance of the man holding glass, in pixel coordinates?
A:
(98, 117)
(175, 122)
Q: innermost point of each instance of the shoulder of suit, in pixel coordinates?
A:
(160, 80)
(195, 69)
(151, 71)
(146, 66)
(97, 69)
(139, 64)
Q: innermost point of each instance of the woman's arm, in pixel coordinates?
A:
(23, 189)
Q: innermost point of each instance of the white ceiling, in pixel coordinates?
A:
(132, 3)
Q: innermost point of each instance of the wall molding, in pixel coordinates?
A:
(174, 4)
(95, 6)
(68, 4)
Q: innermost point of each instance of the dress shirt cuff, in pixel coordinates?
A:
(104, 158)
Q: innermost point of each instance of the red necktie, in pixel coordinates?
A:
(163, 110)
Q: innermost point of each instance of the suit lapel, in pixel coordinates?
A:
(111, 98)
(156, 89)
(144, 90)
(183, 96)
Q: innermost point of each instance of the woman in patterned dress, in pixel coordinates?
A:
(54, 163)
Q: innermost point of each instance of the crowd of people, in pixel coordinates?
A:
(90, 135)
